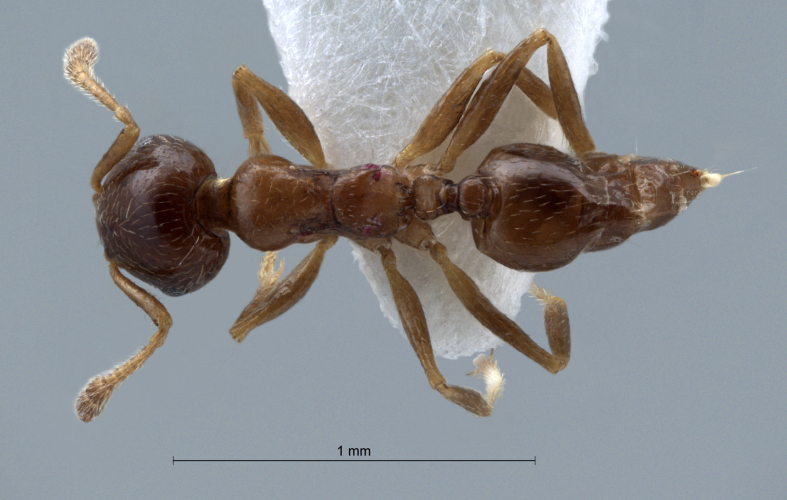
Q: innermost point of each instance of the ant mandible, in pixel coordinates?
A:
(163, 215)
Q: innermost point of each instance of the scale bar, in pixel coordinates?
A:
(356, 460)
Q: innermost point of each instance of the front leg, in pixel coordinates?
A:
(285, 114)
(273, 297)
(414, 322)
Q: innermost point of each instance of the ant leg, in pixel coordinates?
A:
(94, 396)
(487, 101)
(274, 299)
(541, 95)
(251, 120)
(413, 320)
(285, 114)
(538, 92)
(564, 94)
(556, 322)
(555, 316)
(78, 65)
(444, 116)
(420, 236)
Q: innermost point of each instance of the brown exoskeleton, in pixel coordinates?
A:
(164, 216)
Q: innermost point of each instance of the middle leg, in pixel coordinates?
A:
(414, 322)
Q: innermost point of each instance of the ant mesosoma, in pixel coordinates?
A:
(163, 215)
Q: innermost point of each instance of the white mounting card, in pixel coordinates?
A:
(367, 72)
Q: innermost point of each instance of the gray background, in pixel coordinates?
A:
(676, 387)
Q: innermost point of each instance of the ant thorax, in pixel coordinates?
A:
(371, 201)
(271, 203)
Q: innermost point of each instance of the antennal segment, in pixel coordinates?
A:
(78, 69)
(78, 63)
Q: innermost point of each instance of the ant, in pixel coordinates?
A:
(163, 215)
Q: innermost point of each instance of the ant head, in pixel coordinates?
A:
(146, 220)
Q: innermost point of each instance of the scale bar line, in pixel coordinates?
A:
(356, 460)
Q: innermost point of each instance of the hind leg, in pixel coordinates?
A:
(491, 94)
(444, 116)
(418, 235)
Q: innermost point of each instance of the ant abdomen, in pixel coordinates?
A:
(543, 210)
(146, 218)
